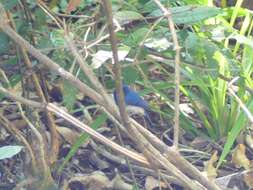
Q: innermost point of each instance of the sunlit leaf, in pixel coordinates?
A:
(9, 151)
(239, 158)
(209, 169)
(158, 44)
(102, 56)
(57, 37)
(242, 39)
(124, 17)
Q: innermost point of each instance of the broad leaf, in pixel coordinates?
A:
(4, 43)
(69, 95)
(9, 151)
(190, 14)
(124, 17)
(9, 4)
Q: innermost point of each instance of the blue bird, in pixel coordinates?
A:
(133, 98)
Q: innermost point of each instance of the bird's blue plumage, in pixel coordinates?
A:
(134, 99)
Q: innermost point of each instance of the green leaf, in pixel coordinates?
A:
(41, 18)
(151, 6)
(69, 95)
(57, 37)
(190, 14)
(100, 120)
(15, 79)
(130, 75)
(241, 122)
(9, 151)
(9, 4)
(158, 44)
(44, 43)
(202, 49)
(4, 43)
(135, 37)
(194, 46)
(124, 17)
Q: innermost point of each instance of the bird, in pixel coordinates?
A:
(132, 98)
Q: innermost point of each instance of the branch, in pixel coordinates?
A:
(21, 99)
(61, 113)
(54, 146)
(156, 158)
(149, 151)
(167, 14)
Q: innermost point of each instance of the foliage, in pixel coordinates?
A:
(206, 36)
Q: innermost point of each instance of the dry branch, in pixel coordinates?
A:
(159, 159)
(168, 15)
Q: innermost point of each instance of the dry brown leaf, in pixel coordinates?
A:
(118, 183)
(69, 135)
(98, 162)
(209, 168)
(248, 179)
(98, 180)
(199, 143)
(239, 158)
(20, 123)
(152, 183)
(73, 4)
(94, 181)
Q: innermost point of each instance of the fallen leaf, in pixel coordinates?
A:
(102, 56)
(209, 168)
(118, 183)
(73, 4)
(98, 162)
(152, 183)
(239, 158)
(94, 181)
(199, 143)
(69, 135)
(185, 107)
(248, 179)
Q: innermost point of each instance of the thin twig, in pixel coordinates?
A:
(11, 128)
(158, 158)
(149, 151)
(20, 99)
(42, 164)
(88, 71)
(61, 113)
(167, 13)
(54, 147)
